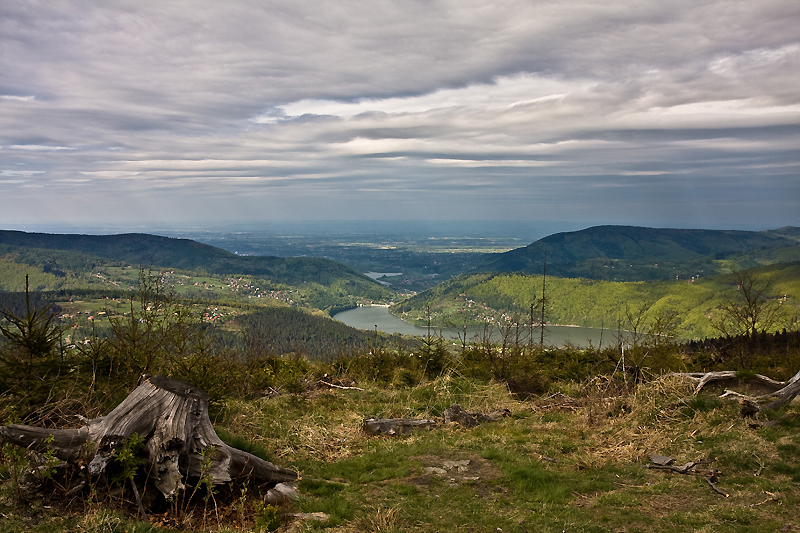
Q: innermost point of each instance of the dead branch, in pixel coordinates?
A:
(704, 378)
(772, 498)
(714, 486)
(661, 462)
(790, 389)
(338, 386)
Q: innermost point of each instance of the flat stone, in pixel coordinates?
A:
(312, 516)
(660, 459)
(461, 466)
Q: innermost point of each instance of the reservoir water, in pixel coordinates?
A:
(367, 317)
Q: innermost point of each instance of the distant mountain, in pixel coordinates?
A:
(629, 253)
(164, 252)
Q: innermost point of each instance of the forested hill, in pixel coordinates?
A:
(629, 253)
(164, 252)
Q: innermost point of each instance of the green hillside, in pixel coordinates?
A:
(55, 262)
(480, 298)
(185, 254)
(627, 253)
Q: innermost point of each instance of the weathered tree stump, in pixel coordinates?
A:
(179, 441)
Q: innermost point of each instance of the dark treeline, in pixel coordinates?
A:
(275, 331)
(775, 353)
(47, 297)
(16, 303)
(57, 262)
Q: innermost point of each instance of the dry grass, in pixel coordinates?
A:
(377, 519)
(327, 426)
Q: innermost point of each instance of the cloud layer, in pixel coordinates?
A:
(676, 113)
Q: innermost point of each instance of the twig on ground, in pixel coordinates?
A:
(760, 467)
(716, 489)
(772, 498)
(339, 386)
(138, 499)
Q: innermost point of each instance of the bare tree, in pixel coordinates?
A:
(755, 310)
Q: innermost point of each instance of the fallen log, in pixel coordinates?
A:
(788, 391)
(396, 426)
(171, 418)
(456, 413)
(704, 378)
(784, 395)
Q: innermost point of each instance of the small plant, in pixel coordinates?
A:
(14, 462)
(127, 460)
(267, 517)
(206, 480)
(241, 504)
(48, 468)
(180, 509)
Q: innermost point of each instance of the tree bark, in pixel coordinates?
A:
(784, 395)
(179, 440)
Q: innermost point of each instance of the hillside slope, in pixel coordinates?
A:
(185, 254)
(628, 253)
(491, 298)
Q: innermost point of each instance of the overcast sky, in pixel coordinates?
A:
(662, 113)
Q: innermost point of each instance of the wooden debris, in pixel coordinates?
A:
(772, 498)
(704, 378)
(760, 466)
(396, 426)
(456, 413)
(788, 391)
(711, 481)
(334, 386)
(281, 493)
(709, 474)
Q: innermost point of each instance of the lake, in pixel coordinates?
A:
(368, 316)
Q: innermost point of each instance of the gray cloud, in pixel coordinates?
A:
(658, 113)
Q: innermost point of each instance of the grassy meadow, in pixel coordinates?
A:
(573, 459)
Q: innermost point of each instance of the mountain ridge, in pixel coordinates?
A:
(636, 251)
(145, 249)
